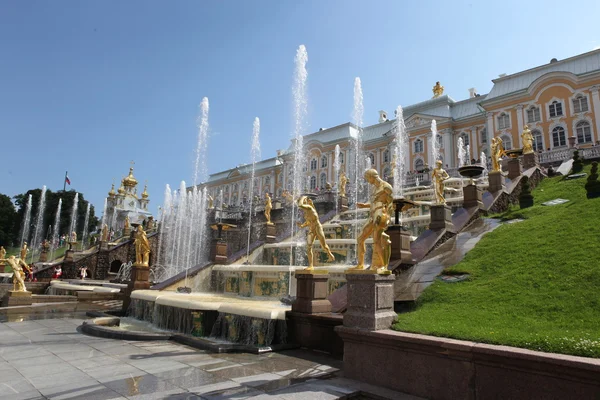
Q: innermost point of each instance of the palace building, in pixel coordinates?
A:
(559, 101)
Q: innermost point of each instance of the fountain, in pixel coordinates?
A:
(435, 144)
(254, 155)
(86, 223)
(461, 152)
(56, 229)
(483, 158)
(336, 172)
(359, 157)
(113, 221)
(104, 216)
(39, 223)
(400, 147)
(73, 224)
(26, 222)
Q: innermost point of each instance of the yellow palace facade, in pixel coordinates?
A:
(559, 101)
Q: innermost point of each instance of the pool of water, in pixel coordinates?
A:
(134, 325)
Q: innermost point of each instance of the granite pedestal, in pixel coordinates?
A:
(14, 298)
(103, 245)
(441, 218)
(43, 256)
(139, 277)
(69, 256)
(270, 233)
(343, 203)
(400, 239)
(471, 197)
(496, 182)
(530, 160)
(218, 251)
(311, 293)
(514, 168)
(370, 301)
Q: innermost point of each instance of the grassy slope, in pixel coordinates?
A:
(534, 284)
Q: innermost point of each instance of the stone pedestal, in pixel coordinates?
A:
(14, 298)
(103, 245)
(43, 256)
(343, 203)
(471, 197)
(370, 301)
(270, 233)
(139, 277)
(514, 168)
(400, 244)
(530, 160)
(311, 293)
(441, 218)
(496, 182)
(218, 251)
(69, 256)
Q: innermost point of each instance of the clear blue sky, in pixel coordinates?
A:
(87, 86)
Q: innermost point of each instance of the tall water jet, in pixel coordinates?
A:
(200, 168)
(26, 222)
(221, 200)
(359, 157)
(56, 229)
(254, 155)
(164, 228)
(84, 236)
(113, 221)
(467, 154)
(300, 113)
(73, 224)
(39, 222)
(104, 217)
(435, 144)
(484, 164)
(461, 152)
(336, 171)
(400, 152)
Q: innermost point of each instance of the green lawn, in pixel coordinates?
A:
(534, 284)
(16, 251)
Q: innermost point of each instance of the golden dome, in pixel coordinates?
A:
(112, 191)
(130, 181)
(121, 188)
(145, 192)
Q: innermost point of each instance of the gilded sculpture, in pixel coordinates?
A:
(210, 201)
(2, 254)
(437, 90)
(268, 208)
(527, 138)
(24, 251)
(17, 266)
(497, 153)
(142, 248)
(104, 233)
(73, 237)
(288, 196)
(380, 204)
(311, 220)
(439, 175)
(343, 182)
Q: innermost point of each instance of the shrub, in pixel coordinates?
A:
(525, 197)
(577, 163)
(592, 185)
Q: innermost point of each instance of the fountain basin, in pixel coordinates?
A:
(514, 153)
(471, 171)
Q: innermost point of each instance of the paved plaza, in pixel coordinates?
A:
(50, 358)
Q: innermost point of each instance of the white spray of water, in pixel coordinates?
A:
(359, 157)
(104, 216)
(200, 168)
(39, 223)
(84, 236)
(484, 163)
(26, 221)
(56, 229)
(73, 225)
(255, 156)
(336, 171)
(400, 152)
(461, 152)
(435, 144)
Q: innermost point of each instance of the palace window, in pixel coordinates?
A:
(235, 187)
(440, 142)
(313, 164)
(584, 132)
(323, 182)
(484, 135)
(559, 138)
(538, 143)
(372, 158)
(386, 156)
(503, 121)
(506, 142)
(341, 158)
(465, 138)
(418, 146)
(313, 182)
(323, 161)
(533, 114)
(580, 104)
(555, 109)
(419, 165)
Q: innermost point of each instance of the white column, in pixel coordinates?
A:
(520, 124)
(448, 148)
(490, 131)
(596, 105)
(474, 144)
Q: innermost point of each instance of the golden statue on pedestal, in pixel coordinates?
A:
(2, 255)
(343, 182)
(24, 251)
(17, 266)
(381, 204)
(104, 233)
(497, 153)
(142, 248)
(311, 219)
(527, 138)
(439, 175)
(210, 201)
(268, 208)
(437, 90)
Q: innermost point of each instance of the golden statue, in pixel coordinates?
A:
(343, 182)
(311, 219)
(104, 233)
(126, 226)
(150, 223)
(497, 153)
(24, 251)
(73, 237)
(439, 175)
(438, 90)
(381, 207)
(288, 196)
(268, 208)
(527, 138)
(142, 248)
(17, 266)
(210, 201)
(2, 255)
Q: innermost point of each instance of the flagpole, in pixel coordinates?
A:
(65, 181)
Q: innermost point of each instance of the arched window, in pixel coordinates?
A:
(580, 104)
(484, 135)
(372, 158)
(440, 142)
(419, 164)
(533, 114)
(503, 121)
(418, 146)
(538, 142)
(323, 181)
(386, 156)
(313, 182)
(267, 181)
(236, 187)
(559, 138)
(584, 132)
(324, 162)
(465, 138)
(506, 142)
(555, 109)
(313, 164)
(341, 158)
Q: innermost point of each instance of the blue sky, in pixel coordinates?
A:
(88, 86)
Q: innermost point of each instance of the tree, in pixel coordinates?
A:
(577, 163)
(8, 217)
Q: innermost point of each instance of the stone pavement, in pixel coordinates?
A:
(49, 358)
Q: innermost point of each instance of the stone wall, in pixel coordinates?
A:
(442, 368)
